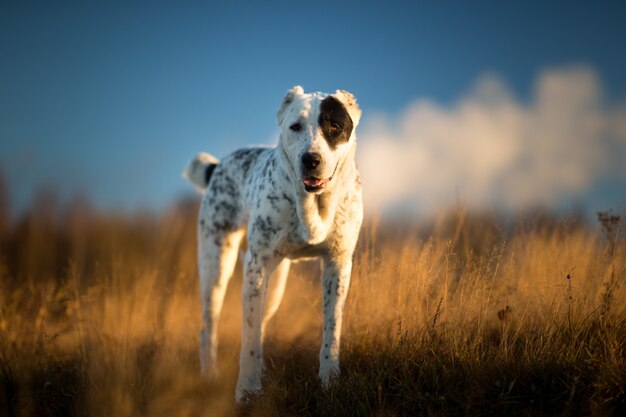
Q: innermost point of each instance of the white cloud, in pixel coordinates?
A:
(493, 149)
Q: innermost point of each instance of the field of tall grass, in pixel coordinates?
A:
(100, 314)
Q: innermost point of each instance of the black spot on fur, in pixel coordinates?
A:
(265, 227)
(286, 197)
(247, 156)
(274, 199)
(335, 122)
(207, 173)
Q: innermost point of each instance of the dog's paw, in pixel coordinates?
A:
(246, 396)
(328, 374)
(249, 383)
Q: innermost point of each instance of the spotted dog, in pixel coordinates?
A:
(300, 199)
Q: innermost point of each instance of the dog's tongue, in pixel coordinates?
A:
(313, 182)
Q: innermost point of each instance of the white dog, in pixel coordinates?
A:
(300, 199)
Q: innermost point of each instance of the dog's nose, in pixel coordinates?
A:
(311, 160)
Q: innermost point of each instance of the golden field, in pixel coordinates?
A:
(100, 315)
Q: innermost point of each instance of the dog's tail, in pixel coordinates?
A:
(198, 171)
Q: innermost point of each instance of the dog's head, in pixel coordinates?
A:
(317, 134)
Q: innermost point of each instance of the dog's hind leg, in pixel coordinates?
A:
(217, 259)
(275, 291)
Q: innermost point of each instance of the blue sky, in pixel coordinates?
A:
(114, 98)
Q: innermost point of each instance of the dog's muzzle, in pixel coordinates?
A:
(310, 162)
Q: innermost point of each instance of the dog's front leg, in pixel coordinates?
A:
(336, 282)
(257, 270)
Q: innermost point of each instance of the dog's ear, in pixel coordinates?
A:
(352, 106)
(291, 94)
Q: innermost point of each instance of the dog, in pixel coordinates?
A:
(300, 199)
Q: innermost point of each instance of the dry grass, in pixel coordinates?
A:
(99, 315)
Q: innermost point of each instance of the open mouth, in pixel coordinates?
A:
(312, 184)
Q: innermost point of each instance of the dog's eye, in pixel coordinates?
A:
(334, 127)
(295, 127)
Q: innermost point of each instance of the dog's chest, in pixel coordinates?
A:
(272, 216)
(274, 224)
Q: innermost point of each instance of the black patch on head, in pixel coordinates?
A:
(335, 122)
